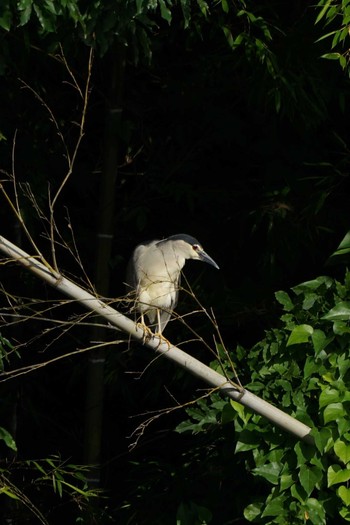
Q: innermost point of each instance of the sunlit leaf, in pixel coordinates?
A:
(253, 511)
(300, 334)
(336, 474)
(344, 493)
(341, 312)
(342, 450)
(333, 411)
(269, 471)
(9, 492)
(328, 395)
(323, 11)
(331, 56)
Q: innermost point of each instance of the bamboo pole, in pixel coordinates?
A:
(189, 363)
(95, 381)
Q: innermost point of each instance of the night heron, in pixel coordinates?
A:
(154, 274)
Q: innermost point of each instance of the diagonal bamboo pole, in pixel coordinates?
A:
(192, 365)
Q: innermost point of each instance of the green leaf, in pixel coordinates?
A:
(5, 18)
(275, 507)
(165, 11)
(333, 411)
(225, 6)
(46, 19)
(241, 410)
(342, 450)
(319, 340)
(328, 395)
(344, 493)
(341, 327)
(313, 285)
(309, 477)
(344, 246)
(315, 511)
(303, 452)
(39, 467)
(311, 367)
(336, 474)
(8, 491)
(25, 9)
(298, 492)
(269, 471)
(331, 56)
(253, 511)
(284, 299)
(345, 513)
(343, 363)
(343, 62)
(8, 439)
(286, 481)
(300, 334)
(323, 11)
(247, 441)
(341, 312)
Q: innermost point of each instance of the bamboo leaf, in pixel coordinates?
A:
(323, 11)
(8, 439)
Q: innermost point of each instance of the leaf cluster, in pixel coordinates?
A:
(303, 367)
(99, 24)
(336, 16)
(64, 484)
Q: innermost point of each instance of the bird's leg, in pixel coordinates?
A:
(159, 334)
(147, 332)
(159, 322)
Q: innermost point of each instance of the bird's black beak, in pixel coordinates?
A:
(206, 258)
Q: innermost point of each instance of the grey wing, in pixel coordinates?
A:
(166, 314)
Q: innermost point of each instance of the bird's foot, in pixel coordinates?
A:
(148, 335)
(147, 332)
(162, 339)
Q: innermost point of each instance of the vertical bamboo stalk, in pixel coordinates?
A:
(96, 360)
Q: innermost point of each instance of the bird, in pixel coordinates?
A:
(154, 275)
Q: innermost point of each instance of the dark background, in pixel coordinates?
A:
(211, 143)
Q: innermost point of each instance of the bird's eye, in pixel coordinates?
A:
(196, 247)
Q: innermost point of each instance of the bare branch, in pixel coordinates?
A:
(189, 363)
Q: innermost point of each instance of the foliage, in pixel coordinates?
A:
(336, 16)
(99, 24)
(62, 483)
(5, 350)
(303, 367)
(8, 439)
